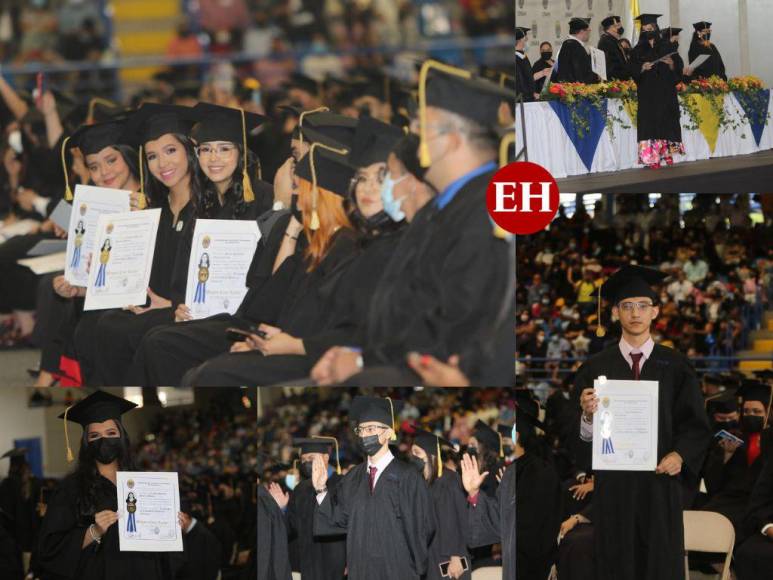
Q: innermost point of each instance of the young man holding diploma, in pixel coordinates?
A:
(637, 515)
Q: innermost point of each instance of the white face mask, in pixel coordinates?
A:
(14, 141)
(391, 205)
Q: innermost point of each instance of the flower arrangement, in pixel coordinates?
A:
(745, 84)
(754, 99)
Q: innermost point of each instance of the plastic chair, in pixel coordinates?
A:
(487, 573)
(708, 532)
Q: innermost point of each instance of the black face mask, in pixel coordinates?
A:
(546, 55)
(418, 463)
(752, 424)
(105, 449)
(508, 450)
(370, 445)
(707, 36)
(305, 469)
(620, 31)
(472, 451)
(650, 35)
(726, 425)
(294, 208)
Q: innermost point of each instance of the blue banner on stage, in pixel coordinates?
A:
(755, 105)
(584, 123)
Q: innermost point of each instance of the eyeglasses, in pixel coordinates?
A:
(221, 150)
(369, 430)
(376, 179)
(631, 306)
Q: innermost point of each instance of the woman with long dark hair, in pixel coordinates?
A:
(78, 537)
(653, 69)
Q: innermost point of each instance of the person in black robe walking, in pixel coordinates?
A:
(657, 128)
(78, 537)
(492, 520)
(574, 62)
(449, 546)
(617, 60)
(383, 505)
(637, 516)
(701, 44)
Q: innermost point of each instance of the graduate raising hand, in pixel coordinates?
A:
(472, 478)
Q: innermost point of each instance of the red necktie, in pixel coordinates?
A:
(372, 477)
(753, 448)
(636, 357)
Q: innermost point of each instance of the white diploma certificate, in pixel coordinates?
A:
(122, 260)
(221, 253)
(699, 60)
(148, 504)
(598, 59)
(88, 204)
(625, 426)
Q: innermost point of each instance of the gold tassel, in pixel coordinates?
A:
(439, 459)
(300, 120)
(70, 457)
(92, 104)
(394, 426)
(249, 195)
(424, 158)
(314, 222)
(504, 145)
(67, 190)
(501, 445)
(338, 457)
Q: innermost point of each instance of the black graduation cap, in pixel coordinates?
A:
(609, 21)
(329, 128)
(702, 25)
(505, 430)
(96, 408)
(373, 141)
(92, 139)
(456, 90)
(215, 123)
(764, 374)
(630, 281)
(13, 453)
(671, 31)
(152, 120)
(432, 445)
(487, 435)
(648, 18)
(520, 32)
(302, 82)
(721, 403)
(378, 409)
(317, 444)
(527, 409)
(331, 170)
(752, 390)
(712, 379)
(578, 24)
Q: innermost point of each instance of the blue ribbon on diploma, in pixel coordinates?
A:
(606, 446)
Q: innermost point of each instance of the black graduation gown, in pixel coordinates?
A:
(617, 61)
(443, 289)
(167, 352)
(713, 65)
(729, 485)
(21, 513)
(61, 536)
(574, 64)
(539, 66)
(658, 115)
(273, 559)
(637, 516)
(450, 539)
(11, 567)
(388, 533)
(754, 556)
(524, 78)
(322, 557)
(538, 503)
(346, 302)
(493, 521)
(119, 332)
